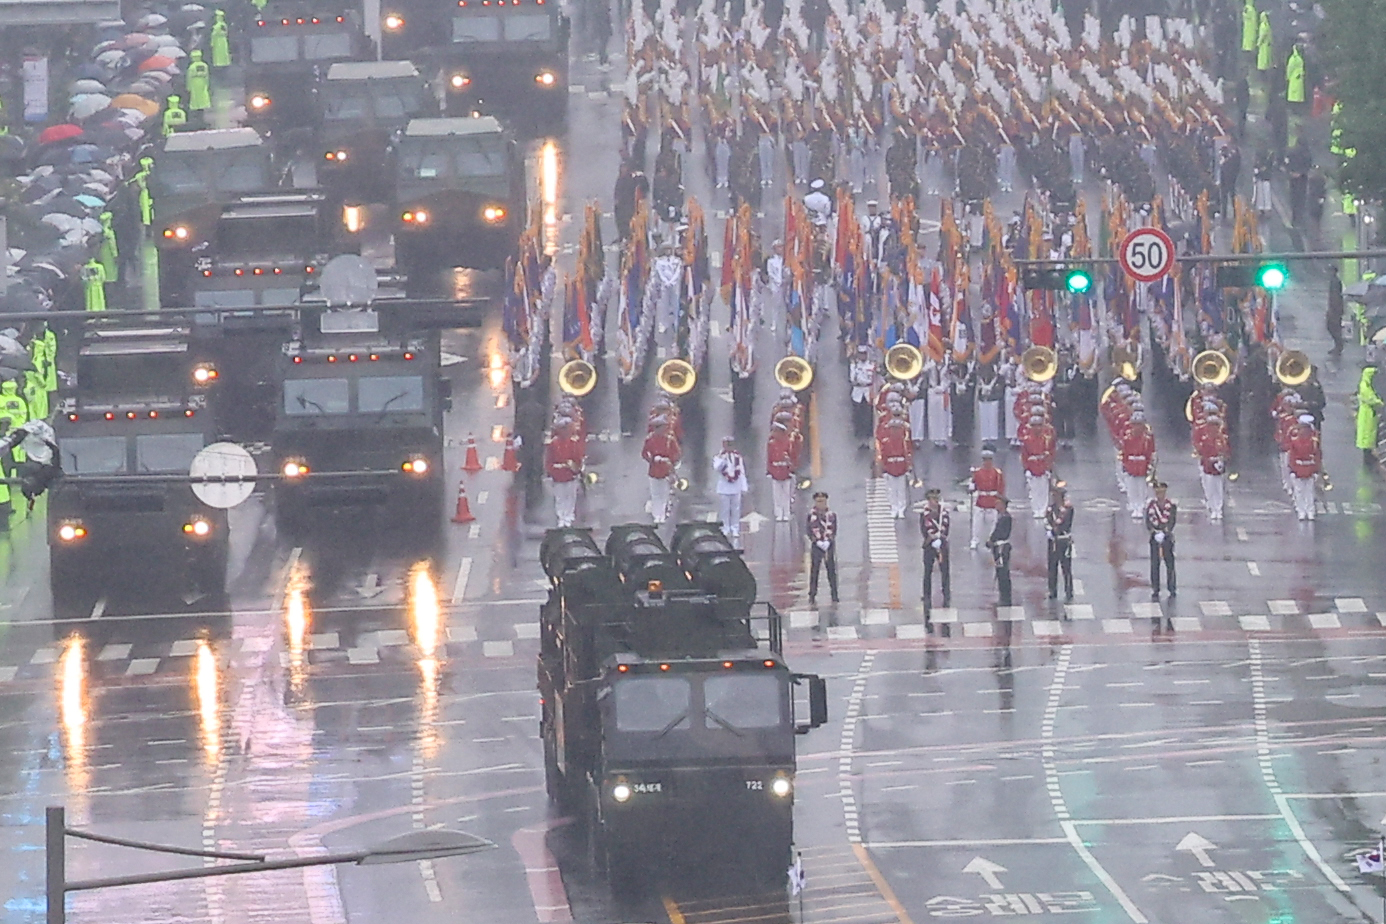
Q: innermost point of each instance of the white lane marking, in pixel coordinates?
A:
(1253, 568)
(850, 718)
(474, 531)
(1186, 624)
(183, 648)
(1283, 607)
(1079, 611)
(1170, 819)
(1350, 604)
(984, 842)
(1241, 534)
(139, 667)
(1215, 607)
(1056, 797)
(1261, 723)
(459, 586)
(1324, 621)
(98, 608)
(880, 526)
(481, 497)
(527, 630)
(1254, 623)
(115, 653)
(498, 649)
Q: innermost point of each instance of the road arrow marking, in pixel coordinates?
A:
(371, 586)
(754, 521)
(987, 870)
(725, 394)
(1198, 846)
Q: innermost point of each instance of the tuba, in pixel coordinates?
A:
(903, 361)
(1293, 368)
(577, 378)
(794, 373)
(676, 377)
(1211, 367)
(1039, 363)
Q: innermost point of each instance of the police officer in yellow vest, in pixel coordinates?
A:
(1249, 23)
(15, 411)
(141, 181)
(219, 40)
(94, 283)
(109, 255)
(1264, 45)
(174, 115)
(35, 394)
(1294, 77)
(199, 82)
(50, 372)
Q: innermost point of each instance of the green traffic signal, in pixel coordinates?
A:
(1272, 276)
(1078, 281)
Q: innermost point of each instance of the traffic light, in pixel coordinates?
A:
(1074, 279)
(1272, 276)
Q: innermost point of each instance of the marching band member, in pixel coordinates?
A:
(1137, 463)
(779, 465)
(991, 390)
(1038, 448)
(894, 451)
(1306, 458)
(940, 413)
(563, 459)
(862, 374)
(987, 484)
(1210, 442)
(731, 485)
(663, 452)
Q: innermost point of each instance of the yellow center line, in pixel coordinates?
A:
(671, 908)
(882, 886)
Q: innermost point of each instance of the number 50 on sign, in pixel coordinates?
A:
(1146, 254)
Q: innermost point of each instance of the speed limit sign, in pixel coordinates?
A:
(1146, 254)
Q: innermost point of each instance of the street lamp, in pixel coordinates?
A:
(407, 848)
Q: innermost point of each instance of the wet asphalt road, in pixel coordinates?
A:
(1215, 757)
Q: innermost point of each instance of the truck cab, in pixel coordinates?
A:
(359, 422)
(195, 174)
(364, 105)
(129, 424)
(290, 48)
(491, 57)
(461, 194)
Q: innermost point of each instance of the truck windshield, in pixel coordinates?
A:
(306, 397)
(273, 49)
(208, 173)
(251, 236)
(510, 27)
(361, 100)
(452, 158)
(653, 704)
(167, 452)
(379, 394)
(148, 374)
(743, 701)
(93, 455)
(316, 46)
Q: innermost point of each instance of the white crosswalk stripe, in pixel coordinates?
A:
(881, 546)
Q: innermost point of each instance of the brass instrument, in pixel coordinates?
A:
(903, 361)
(1039, 363)
(794, 373)
(676, 377)
(577, 378)
(1293, 368)
(1212, 367)
(1127, 370)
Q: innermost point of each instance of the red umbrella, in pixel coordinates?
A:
(59, 133)
(156, 63)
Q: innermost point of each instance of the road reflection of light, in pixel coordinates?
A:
(426, 620)
(296, 618)
(548, 190)
(73, 707)
(208, 700)
(496, 371)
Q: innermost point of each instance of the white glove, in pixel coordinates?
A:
(1159, 537)
(1049, 534)
(823, 544)
(937, 543)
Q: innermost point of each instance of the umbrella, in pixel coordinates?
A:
(174, 53)
(56, 133)
(151, 21)
(86, 154)
(88, 105)
(89, 70)
(90, 201)
(91, 226)
(156, 63)
(86, 85)
(145, 107)
(134, 40)
(66, 205)
(61, 221)
(159, 77)
(166, 41)
(112, 60)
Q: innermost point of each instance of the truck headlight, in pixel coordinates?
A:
(393, 22)
(415, 217)
(338, 157)
(459, 81)
(71, 532)
(354, 218)
(493, 213)
(260, 102)
(416, 467)
(204, 374)
(198, 528)
(621, 792)
(781, 787)
(177, 233)
(546, 78)
(295, 468)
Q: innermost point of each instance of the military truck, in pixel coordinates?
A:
(290, 47)
(491, 57)
(363, 105)
(668, 719)
(128, 425)
(460, 191)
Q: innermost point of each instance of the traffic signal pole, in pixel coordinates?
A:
(1224, 258)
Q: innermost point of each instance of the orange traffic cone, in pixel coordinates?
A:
(509, 463)
(464, 509)
(472, 463)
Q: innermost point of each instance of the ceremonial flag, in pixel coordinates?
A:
(1370, 862)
